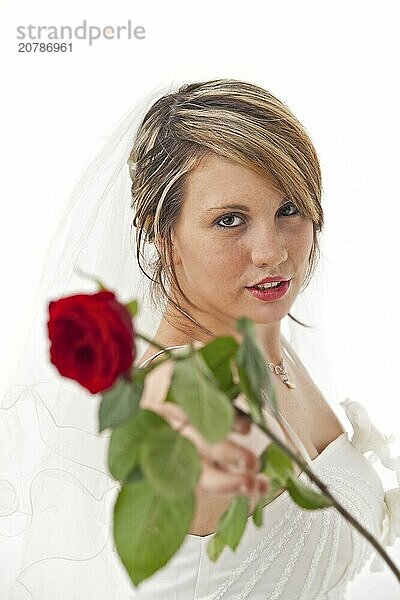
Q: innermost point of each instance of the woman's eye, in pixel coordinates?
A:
(227, 218)
(288, 205)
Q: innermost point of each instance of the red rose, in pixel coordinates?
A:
(92, 339)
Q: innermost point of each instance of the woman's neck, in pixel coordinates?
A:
(268, 337)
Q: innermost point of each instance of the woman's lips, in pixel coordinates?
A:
(273, 293)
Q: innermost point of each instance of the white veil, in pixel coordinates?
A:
(56, 495)
(55, 491)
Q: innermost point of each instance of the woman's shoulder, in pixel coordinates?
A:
(157, 381)
(148, 357)
(152, 353)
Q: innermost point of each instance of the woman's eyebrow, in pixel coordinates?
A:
(237, 206)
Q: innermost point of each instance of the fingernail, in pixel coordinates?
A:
(262, 486)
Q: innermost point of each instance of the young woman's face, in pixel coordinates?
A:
(219, 251)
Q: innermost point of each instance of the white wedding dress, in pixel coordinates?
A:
(57, 495)
(297, 554)
(65, 516)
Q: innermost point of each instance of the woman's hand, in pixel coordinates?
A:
(228, 467)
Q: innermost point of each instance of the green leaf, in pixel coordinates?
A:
(132, 307)
(266, 499)
(253, 371)
(252, 399)
(257, 515)
(218, 355)
(233, 522)
(135, 475)
(125, 441)
(215, 547)
(233, 392)
(276, 464)
(305, 497)
(138, 374)
(148, 529)
(170, 463)
(119, 403)
(195, 389)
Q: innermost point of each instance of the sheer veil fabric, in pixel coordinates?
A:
(56, 495)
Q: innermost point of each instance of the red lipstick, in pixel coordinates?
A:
(272, 293)
(270, 279)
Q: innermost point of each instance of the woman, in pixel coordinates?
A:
(226, 183)
(217, 256)
(226, 190)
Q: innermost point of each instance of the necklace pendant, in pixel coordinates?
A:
(290, 384)
(285, 380)
(281, 371)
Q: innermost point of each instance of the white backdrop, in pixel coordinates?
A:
(334, 63)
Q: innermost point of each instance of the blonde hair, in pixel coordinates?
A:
(234, 119)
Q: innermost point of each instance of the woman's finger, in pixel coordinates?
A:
(217, 482)
(242, 422)
(226, 465)
(227, 454)
(231, 456)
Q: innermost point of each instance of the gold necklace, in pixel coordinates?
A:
(281, 371)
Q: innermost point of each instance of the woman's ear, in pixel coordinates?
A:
(175, 252)
(176, 259)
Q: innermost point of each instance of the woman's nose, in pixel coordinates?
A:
(268, 247)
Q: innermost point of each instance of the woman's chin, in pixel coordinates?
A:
(268, 312)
